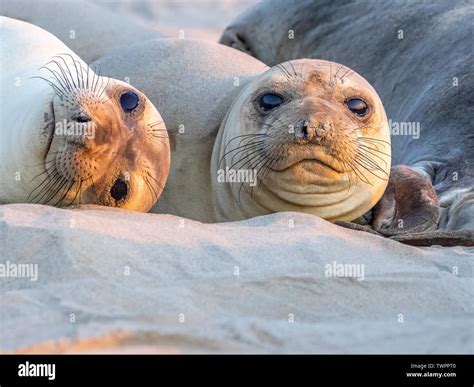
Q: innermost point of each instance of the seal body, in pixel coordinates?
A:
(89, 30)
(207, 91)
(69, 136)
(418, 56)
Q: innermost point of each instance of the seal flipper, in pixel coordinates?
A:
(439, 237)
(409, 213)
(357, 227)
(409, 204)
(233, 38)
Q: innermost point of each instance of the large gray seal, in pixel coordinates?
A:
(69, 136)
(308, 135)
(89, 30)
(418, 55)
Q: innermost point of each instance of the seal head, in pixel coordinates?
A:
(314, 134)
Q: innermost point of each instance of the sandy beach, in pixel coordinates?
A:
(102, 280)
(113, 280)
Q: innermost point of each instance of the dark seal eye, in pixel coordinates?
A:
(357, 106)
(119, 190)
(270, 101)
(129, 101)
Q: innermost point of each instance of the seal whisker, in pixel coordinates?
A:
(293, 67)
(330, 75)
(77, 192)
(239, 137)
(337, 72)
(266, 168)
(55, 88)
(370, 160)
(63, 196)
(371, 171)
(71, 77)
(103, 89)
(150, 186)
(45, 186)
(258, 159)
(241, 147)
(243, 158)
(97, 78)
(369, 149)
(55, 190)
(284, 71)
(74, 62)
(347, 74)
(64, 76)
(370, 165)
(50, 172)
(360, 175)
(58, 77)
(156, 181)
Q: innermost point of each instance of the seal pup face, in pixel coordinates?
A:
(106, 143)
(317, 136)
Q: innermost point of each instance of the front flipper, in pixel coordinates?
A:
(428, 238)
(357, 227)
(409, 204)
(409, 213)
(441, 238)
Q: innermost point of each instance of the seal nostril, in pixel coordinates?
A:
(322, 129)
(304, 130)
(82, 118)
(303, 134)
(119, 190)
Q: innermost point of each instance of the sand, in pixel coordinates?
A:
(117, 281)
(112, 281)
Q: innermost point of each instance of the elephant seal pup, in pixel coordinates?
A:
(419, 61)
(316, 141)
(69, 136)
(313, 133)
(87, 29)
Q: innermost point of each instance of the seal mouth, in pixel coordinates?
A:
(308, 161)
(317, 162)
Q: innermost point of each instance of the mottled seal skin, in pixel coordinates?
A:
(69, 136)
(418, 56)
(89, 30)
(209, 97)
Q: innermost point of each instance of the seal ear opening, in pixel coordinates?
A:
(232, 37)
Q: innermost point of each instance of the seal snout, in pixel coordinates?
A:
(313, 130)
